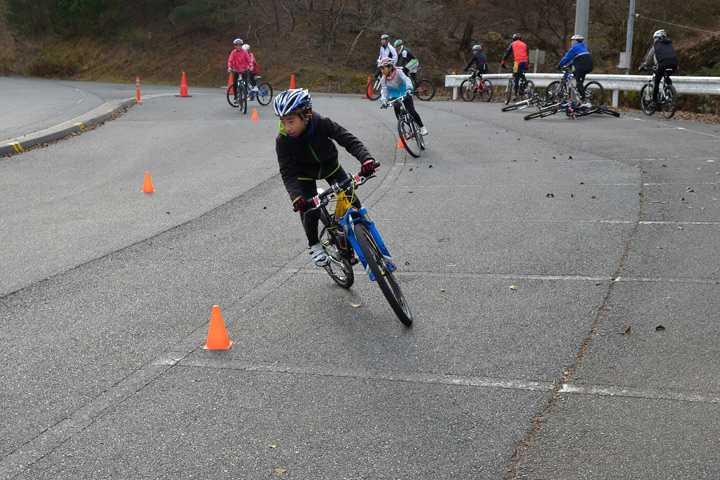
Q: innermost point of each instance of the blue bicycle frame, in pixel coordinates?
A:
(354, 215)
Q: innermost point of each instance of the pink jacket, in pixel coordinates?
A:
(239, 60)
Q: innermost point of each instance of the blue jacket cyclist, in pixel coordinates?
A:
(579, 57)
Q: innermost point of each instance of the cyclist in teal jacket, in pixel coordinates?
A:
(396, 84)
(306, 153)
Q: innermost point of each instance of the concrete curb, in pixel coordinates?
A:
(78, 124)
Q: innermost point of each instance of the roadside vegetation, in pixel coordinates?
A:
(331, 45)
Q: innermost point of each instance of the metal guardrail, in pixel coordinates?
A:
(611, 83)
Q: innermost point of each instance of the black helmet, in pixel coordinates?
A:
(517, 36)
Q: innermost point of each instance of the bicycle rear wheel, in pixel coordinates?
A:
(595, 92)
(646, 103)
(339, 267)
(467, 90)
(231, 97)
(487, 92)
(373, 88)
(552, 93)
(265, 95)
(670, 102)
(529, 90)
(409, 138)
(424, 90)
(383, 273)
(516, 106)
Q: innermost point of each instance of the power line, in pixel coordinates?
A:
(676, 25)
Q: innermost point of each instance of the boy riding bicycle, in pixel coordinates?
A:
(663, 54)
(518, 49)
(239, 64)
(396, 84)
(479, 60)
(411, 64)
(579, 57)
(306, 153)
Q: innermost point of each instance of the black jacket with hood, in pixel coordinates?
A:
(314, 156)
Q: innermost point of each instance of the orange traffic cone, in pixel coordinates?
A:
(137, 84)
(217, 335)
(367, 92)
(400, 144)
(183, 88)
(230, 82)
(292, 81)
(254, 115)
(148, 186)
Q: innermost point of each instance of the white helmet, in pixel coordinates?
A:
(246, 47)
(659, 34)
(579, 38)
(477, 47)
(292, 101)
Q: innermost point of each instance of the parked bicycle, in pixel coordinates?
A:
(476, 86)
(560, 89)
(535, 100)
(407, 129)
(347, 231)
(423, 90)
(667, 95)
(526, 88)
(571, 108)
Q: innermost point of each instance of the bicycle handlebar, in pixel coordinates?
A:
(322, 199)
(394, 101)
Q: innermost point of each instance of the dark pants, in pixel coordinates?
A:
(236, 75)
(310, 219)
(410, 106)
(522, 66)
(659, 74)
(580, 80)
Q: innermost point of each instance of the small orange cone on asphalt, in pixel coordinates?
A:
(217, 335)
(148, 186)
(230, 82)
(292, 81)
(183, 88)
(367, 91)
(400, 144)
(254, 115)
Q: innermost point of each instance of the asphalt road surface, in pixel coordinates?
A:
(563, 276)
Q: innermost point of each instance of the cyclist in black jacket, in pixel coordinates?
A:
(306, 153)
(479, 60)
(663, 54)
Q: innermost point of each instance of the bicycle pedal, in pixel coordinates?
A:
(353, 260)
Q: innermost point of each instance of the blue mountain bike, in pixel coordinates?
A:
(347, 231)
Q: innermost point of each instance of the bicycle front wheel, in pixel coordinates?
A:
(339, 267)
(529, 90)
(670, 101)
(408, 137)
(595, 92)
(487, 92)
(544, 112)
(383, 273)
(646, 104)
(373, 88)
(509, 90)
(265, 95)
(243, 99)
(231, 97)
(467, 90)
(552, 93)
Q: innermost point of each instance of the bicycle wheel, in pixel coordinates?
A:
(509, 90)
(243, 98)
(516, 106)
(265, 95)
(409, 138)
(383, 273)
(231, 97)
(604, 109)
(646, 103)
(424, 90)
(595, 92)
(468, 90)
(528, 91)
(339, 267)
(544, 112)
(552, 93)
(670, 102)
(420, 139)
(487, 91)
(373, 88)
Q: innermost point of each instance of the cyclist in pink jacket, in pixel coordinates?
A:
(239, 62)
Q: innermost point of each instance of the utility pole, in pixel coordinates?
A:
(582, 16)
(629, 39)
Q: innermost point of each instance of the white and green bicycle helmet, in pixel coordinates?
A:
(292, 101)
